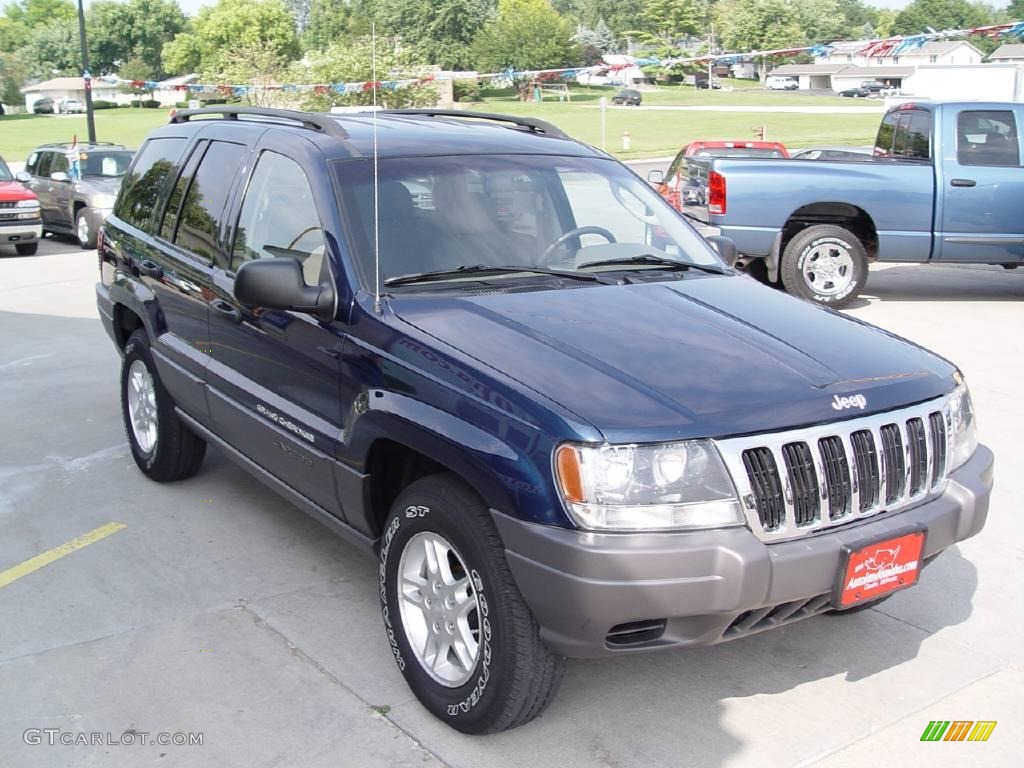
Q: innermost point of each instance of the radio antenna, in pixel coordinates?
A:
(376, 186)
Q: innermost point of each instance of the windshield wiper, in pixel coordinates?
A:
(645, 259)
(485, 269)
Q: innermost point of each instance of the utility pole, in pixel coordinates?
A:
(86, 77)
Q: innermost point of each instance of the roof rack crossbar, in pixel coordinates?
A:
(321, 123)
(533, 123)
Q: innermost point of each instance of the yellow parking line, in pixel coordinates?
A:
(37, 562)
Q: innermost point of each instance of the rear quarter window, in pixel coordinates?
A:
(145, 181)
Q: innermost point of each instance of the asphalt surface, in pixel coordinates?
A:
(220, 609)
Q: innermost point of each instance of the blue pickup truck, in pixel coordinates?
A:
(946, 185)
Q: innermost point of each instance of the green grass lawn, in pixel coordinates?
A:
(654, 133)
(20, 134)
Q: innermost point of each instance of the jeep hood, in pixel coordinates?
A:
(704, 356)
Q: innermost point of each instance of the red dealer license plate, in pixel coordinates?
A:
(878, 569)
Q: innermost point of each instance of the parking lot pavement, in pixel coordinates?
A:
(220, 609)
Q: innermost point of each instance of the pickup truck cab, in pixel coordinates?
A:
(20, 223)
(945, 185)
(562, 423)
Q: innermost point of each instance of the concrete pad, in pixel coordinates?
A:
(256, 700)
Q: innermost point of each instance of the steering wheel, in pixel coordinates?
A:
(301, 235)
(578, 232)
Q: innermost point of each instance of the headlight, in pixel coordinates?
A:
(103, 201)
(963, 430)
(27, 204)
(647, 487)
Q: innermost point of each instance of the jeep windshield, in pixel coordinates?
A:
(105, 163)
(445, 220)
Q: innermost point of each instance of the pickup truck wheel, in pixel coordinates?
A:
(826, 264)
(84, 231)
(162, 446)
(459, 630)
(26, 249)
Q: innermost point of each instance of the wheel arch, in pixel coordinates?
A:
(846, 215)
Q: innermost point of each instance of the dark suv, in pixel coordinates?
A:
(628, 97)
(496, 358)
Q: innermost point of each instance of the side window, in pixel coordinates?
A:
(32, 163)
(58, 163)
(144, 183)
(987, 137)
(279, 219)
(913, 135)
(173, 208)
(886, 131)
(202, 209)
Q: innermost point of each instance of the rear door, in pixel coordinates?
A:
(274, 376)
(981, 188)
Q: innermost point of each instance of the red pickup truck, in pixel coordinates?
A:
(683, 184)
(20, 221)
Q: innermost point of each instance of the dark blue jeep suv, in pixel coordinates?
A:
(494, 357)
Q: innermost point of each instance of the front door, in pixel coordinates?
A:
(273, 378)
(981, 193)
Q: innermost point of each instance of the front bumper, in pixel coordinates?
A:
(707, 586)
(14, 233)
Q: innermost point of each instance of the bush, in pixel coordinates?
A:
(144, 103)
(467, 90)
(101, 104)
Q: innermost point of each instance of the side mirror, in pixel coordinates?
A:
(725, 247)
(278, 284)
(59, 176)
(23, 176)
(656, 177)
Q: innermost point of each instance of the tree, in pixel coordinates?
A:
(440, 31)
(596, 42)
(750, 25)
(136, 69)
(221, 29)
(35, 13)
(1015, 10)
(525, 34)
(351, 62)
(940, 14)
(52, 50)
(13, 74)
(666, 21)
(136, 29)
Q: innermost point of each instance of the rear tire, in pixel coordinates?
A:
(26, 249)
(162, 446)
(825, 264)
(495, 673)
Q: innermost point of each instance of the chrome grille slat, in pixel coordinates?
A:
(797, 482)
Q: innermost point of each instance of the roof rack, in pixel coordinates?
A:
(81, 143)
(532, 123)
(321, 123)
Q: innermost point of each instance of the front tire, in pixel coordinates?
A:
(26, 249)
(162, 446)
(84, 231)
(826, 264)
(459, 630)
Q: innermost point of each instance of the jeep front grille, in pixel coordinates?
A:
(799, 481)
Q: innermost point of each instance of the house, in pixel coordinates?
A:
(1011, 53)
(169, 92)
(615, 69)
(846, 64)
(60, 88)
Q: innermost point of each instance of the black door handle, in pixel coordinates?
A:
(962, 182)
(226, 310)
(151, 269)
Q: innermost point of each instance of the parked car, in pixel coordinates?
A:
(707, 85)
(71, 106)
(563, 424)
(945, 186)
(77, 185)
(855, 93)
(873, 86)
(781, 83)
(20, 224)
(685, 182)
(628, 97)
(848, 154)
(44, 106)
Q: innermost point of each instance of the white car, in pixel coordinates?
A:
(71, 107)
(781, 83)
